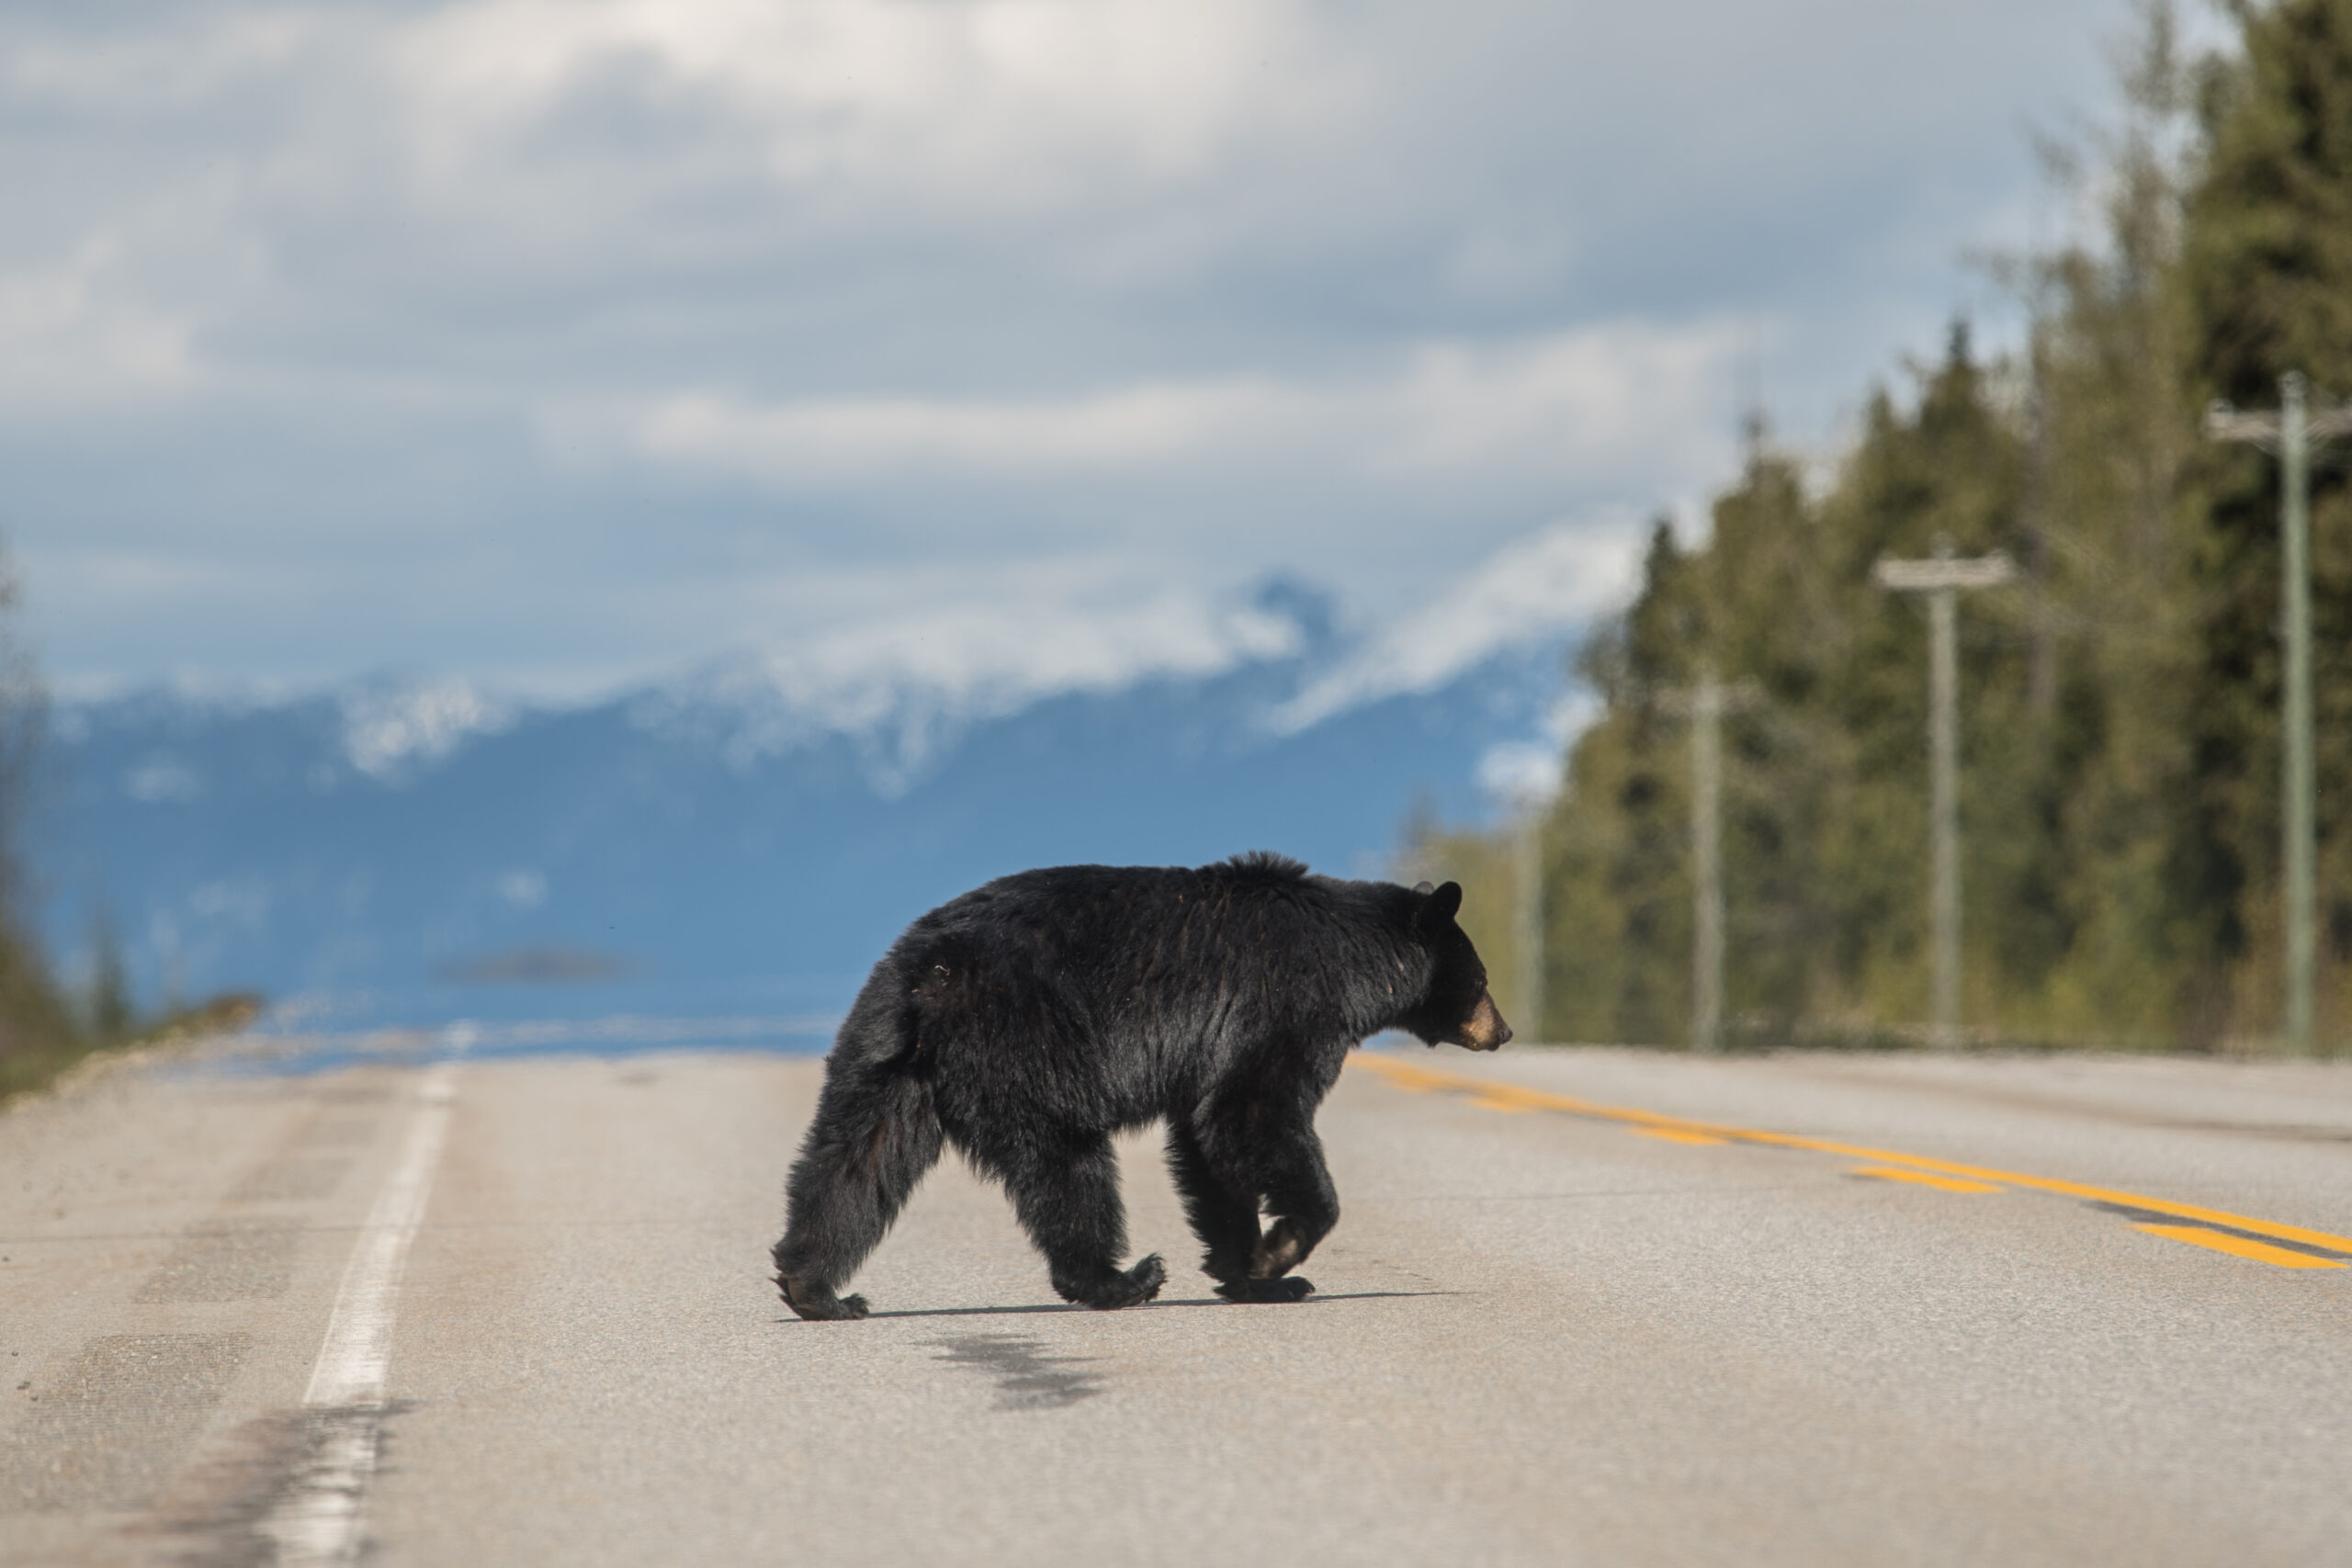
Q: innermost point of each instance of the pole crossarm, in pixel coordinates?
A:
(1686, 702)
(1942, 573)
(2223, 422)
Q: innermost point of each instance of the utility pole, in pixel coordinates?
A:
(1527, 881)
(1705, 705)
(2291, 433)
(1707, 862)
(2042, 675)
(1943, 579)
(1529, 793)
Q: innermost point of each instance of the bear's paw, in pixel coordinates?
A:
(1289, 1288)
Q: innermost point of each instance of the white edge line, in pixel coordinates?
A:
(358, 1350)
(316, 1522)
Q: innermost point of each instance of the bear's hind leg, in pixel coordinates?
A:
(873, 1137)
(1071, 1209)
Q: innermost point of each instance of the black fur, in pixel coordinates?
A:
(1031, 1019)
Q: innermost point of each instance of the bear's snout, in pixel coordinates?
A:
(1485, 1029)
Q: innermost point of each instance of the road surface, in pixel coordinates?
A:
(1582, 1306)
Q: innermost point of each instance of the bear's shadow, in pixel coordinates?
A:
(1032, 1307)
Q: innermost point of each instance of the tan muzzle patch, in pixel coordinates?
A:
(1485, 1029)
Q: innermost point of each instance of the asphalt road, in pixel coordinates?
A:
(1623, 1309)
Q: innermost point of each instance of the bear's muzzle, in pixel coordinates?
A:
(1485, 1029)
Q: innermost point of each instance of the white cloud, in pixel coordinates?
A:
(1520, 773)
(306, 310)
(903, 681)
(1515, 257)
(1590, 395)
(980, 103)
(160, 61)
(1114, 429)
(989, 656)
(160, 780)
(1541, 587)
(73, 332)
(525, 887)
(1628, 397)
(243, 900)
(386, 729)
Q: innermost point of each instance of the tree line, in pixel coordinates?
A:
(2120, 731)
(41, 1029)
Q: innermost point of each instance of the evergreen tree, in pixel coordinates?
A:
(2266, 284)
(1620, 883)
(2112, 588)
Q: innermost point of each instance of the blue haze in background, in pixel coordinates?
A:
(677, 851)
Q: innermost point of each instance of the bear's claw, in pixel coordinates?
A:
(822, 1305)
(1136, 1286)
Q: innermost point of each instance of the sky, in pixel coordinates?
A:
(561, 344)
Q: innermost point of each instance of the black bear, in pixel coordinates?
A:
(1032, 1017)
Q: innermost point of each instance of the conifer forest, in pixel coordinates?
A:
(2120, 699)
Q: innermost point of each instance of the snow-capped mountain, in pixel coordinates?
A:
(744, 839)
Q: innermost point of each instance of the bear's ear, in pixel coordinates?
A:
(1443, 904)
(1424, 888)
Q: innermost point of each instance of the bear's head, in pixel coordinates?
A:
(1458, 1011)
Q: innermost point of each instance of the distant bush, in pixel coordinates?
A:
(43, 1031)
(39, 1033)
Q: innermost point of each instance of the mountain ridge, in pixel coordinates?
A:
(706, 845)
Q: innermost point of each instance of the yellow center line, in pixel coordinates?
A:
(2240, 1247)
(1674, 1136)
(1922, 1178)
(1433, 1080)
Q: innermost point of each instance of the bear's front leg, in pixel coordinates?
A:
(1282, 1165)
(1224, 1211)
(1283, 1248)
(1299, 1192)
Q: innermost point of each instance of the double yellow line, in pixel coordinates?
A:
(2239, 1234)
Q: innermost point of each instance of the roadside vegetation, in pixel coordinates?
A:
(46, 1027)
(40, 1034)
(2120, 704)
